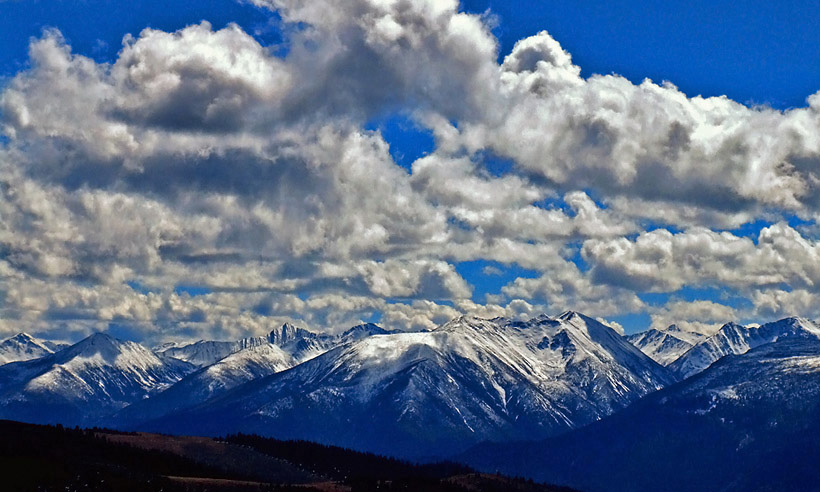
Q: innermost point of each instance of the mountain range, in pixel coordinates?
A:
(749, 422)
(435, 393)
(733, 338)
(665, 346)
(84, 382)
(499, 394)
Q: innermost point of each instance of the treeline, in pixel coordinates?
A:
(370, 472)
(342, 463)
(55, 458)
(46, 458)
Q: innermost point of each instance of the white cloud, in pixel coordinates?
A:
(202, 158)
(661, 261)
(564, 286)
(702, 316)
(771, 304)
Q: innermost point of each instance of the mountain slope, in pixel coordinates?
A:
(282, 349)
(202, 353)
(85, 381)
(433, 393)
(733, 338)
(748, 422)
(25, 347)
(300, 343)
(665, 346)
(216, 379)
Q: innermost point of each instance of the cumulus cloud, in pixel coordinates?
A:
(649, 142)
(564, 284)
(202, 157)
(705, 317)
(771, 304)
(662, 261)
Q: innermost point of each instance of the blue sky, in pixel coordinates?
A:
(760, 54)
(754, 52)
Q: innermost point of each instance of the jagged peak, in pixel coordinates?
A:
(97, 340)
(102, 345)
(21, 337)
(289, 332)
(732, 324)
(98, 337)
(541, 318)
(465, 320)
(365, 328)
(793, 320)
(570, 315)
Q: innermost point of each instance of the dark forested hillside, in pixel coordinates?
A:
(49, 458)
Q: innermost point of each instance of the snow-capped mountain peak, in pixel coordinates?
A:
(98, 345)
(667, 345)
(85, 380)
(288, 333)
(206, 352)
(362, 331)
(470, 379)
(793, 324)
(733, 338)
(568, 315)
(22, 338)
(471, 323)
(23, 346)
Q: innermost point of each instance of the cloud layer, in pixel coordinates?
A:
(201, 158)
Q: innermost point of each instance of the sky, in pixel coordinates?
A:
(214, 169)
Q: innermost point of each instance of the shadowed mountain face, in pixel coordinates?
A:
(748, 422)
(434, 393)
(84, 382)
(438, 393)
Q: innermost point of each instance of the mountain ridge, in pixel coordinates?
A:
(734, 338)
(747, 422)
(470, 376)
(81, 383)
(22, 346)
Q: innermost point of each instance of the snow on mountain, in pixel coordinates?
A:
(747, 422)
(25, 347)
(427, 393)
(253, 358)
(733, 338)
(365, 330)
(80, 383)
(302, 344)
(665, 346)
(206, 352)
(216, 379)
